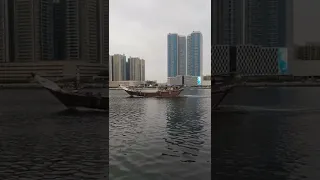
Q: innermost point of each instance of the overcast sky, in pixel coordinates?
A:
(139, 28)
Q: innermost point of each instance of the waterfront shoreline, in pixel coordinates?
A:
(282, 84)
(248, 84)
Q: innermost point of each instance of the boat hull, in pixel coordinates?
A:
(218, 96)
(164, 94)
(76, 100)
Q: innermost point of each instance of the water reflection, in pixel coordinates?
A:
(275, 143)
(43, 141)
(184, 128)
(155, 138)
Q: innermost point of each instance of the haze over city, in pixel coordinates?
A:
(139, 29)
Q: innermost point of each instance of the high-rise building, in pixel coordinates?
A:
(59, 29)
(176, 59)
(103, 33)
(254, 22)
(5, 33)
(194, 54)
(128, 70)
(26, 30)
(33, 30)
(110, 68)
(81, 30)
(119, 67)
(135, 68)
(143, 70)
(172, 50)
(182, 55)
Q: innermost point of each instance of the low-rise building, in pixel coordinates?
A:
(54, 70)
(115, 84)
(184, 80)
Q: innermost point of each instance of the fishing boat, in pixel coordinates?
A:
(172, 91)
(73, 98)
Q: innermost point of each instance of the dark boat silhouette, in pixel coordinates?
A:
(218, 93)
(74, 99)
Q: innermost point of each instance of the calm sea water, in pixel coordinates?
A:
(258, 133)
(267, 133)
(40, 140)
(160, 138)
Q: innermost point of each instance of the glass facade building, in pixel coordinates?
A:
(194, 54)
(172, 55)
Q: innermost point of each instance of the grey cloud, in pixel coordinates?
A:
(140, 28)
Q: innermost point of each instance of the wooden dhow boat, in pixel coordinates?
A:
(74, 99)
(172, 91)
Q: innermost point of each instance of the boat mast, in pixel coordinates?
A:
(78, 78)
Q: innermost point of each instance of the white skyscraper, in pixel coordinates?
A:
(136, 69)
(119, 67)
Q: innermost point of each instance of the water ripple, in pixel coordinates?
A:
(160, 138)
(42, 141)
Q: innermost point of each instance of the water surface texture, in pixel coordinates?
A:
(161, 139)
(41, 140)
(267, 133)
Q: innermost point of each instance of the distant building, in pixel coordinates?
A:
(309, 51)
(119, 67)
(128, 69)
(176, 54)
(131, 70)
(110, 63)
(182, 55)
(136, 69)
(172, 57)
(194, 54)
(143, 70)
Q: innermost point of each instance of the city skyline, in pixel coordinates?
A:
(140, 28)
(122, 68)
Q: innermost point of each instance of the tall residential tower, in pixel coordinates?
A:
(41, 30)
(254, 22)
(194, 54)
(176, 57)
